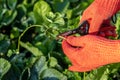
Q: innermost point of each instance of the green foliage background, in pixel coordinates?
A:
(28, 46)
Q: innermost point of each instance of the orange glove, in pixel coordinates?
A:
(99, 13)
(90, 52)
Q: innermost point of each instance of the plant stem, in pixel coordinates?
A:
(84, 75)
(18, 47)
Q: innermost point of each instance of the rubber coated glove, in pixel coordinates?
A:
(90, 52)
(99, 14)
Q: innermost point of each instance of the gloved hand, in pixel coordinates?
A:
(90, 52)
(98, 15)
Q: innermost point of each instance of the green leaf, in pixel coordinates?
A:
(42, 47)
(56, 18)
(73, 75)
(50, 17)
(22, 11)
(52, 45)
(99, 74)
(59, 19)
(4, 67)
(2, 12)
(38, 67)
(41, 8)
(29, 3)
(25, 74)
(12, 4)
(14, 33)
(2, 36)
(52, 74)
(61, 6)
(4, 44)
(13, 73)
(32, 19)
(9, 16)
(18, 59)
(114, 67)
(34, 50)
(53, 62)
(69, 13)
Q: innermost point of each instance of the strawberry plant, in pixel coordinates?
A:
(28, 46)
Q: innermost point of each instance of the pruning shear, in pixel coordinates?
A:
(82, 29)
